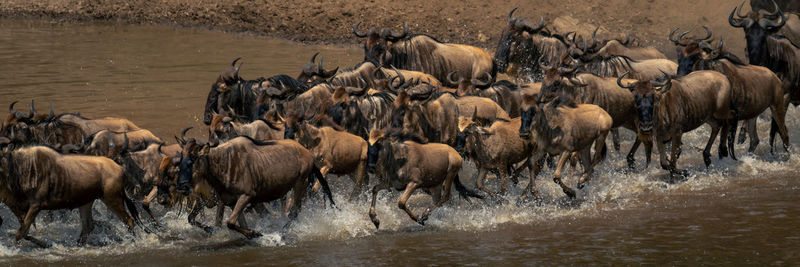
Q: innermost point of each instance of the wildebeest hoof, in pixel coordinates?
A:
(707, 161)
(377, 224)
(581, 185)
(207, 229)
(569, 192)
(422, 219)
(251, 234)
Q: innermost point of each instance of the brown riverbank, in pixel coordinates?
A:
(475, 22)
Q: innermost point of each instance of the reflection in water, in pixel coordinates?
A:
(733, 213)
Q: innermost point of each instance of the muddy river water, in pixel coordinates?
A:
(744, 212)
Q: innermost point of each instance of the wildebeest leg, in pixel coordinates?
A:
(220, 213)
(401, 203)
(557, 176)
(87, 224)
(503, 181)
(753, 133)
(480, 179)
(743, 132)
(599, 155)
(241, 203)
(648, 152)
(442, 197)
(372, 214)
(707, 150)
(586, 161)
(779, 118)
(197, 207)
(629, 158)
(535, 164)
(324, 171)
(360, 176)
(30, 216)
(146, 203)
(730, 133)
(662, 155)
(615, 138)
(114, 202)
(676, 150)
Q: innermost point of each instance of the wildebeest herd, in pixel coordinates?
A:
(409, 115)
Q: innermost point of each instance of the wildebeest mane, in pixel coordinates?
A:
(783, 58)
(257, 142)
(613, 66)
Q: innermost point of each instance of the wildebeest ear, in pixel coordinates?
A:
(339, 95)
(375, 135)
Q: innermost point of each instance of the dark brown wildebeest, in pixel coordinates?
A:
(244, 171)
(359, 112)
(434, 117)
(105, 142)
(408, 165)
(142, 168)
(669, 109)
(334, 151)
(424, 53)
(494, 148)
(753, 88)
(768, 46)
(524, 45)
(224, 127)
(562, 127)
(231, 91)
(38, 178)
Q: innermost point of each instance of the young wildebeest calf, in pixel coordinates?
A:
(494, 147)
(334, 151)
(562, 127)
(679, 106)
(105, 142)
(408, 165)
(39, 178)
(223, 128)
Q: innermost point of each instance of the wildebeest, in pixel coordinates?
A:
(334, 151)
(605, 49)
(767, 47)
(670, 108)
(487, 110)
(424, 53)
(616, 65)
(504, 93)
(362, 112)
(524, 45)
(494, 148)
(314, 73)
(38, 178)
(142, 169)
(753, 88)
(244, 171)
(467, 87)
(105, 142)
(408, 165)
(224, 127)
(435, 117)
(561, 126)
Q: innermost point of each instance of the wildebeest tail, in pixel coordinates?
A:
(325, 188)
(463, 191)
(131, 208)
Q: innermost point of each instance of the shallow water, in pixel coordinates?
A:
(734, 213)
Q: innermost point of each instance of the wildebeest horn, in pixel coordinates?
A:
(679, 40)
(356, 32)
(708, 33)
(124, 143)
(475, 114)
(619, 82)
(453, 81)
(314, 57)
(775, 7)
(233, 64)
(11, 107)
(595, 42)
(183, 133)
(545, 66)
(511, 15)
(480, 83)
(52, 113)
(32, 110)
(742, 21)
(236, 71)
(705, 46)
(375, 73)
(399, 36)
(565, 70)
(667, 84)
(771, 24)
(397, 76)
(159, 149)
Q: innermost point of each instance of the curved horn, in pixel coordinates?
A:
(236, 71)
(11, 107)
(511, 14)
(667, 84)
(314, 58)
(595, 42)
(159, 149)
(402, 35)
(125, 141)
(399, 76)
(451, 80)
(672, 36)
(739, 12)
(356, 32)
(183, 133)
(776, 8)
(740, 22)
(708, 33)
(770, 24)
(32, 110)
(319, 67)
(680, 38)
(375, 73)
(480, 83)
(233, 64)
(52, 113)
(619, 82)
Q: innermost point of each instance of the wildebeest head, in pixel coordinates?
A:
(557, 80)
(376, 46)
(468, 131)
(229, 77)
(701, 56)
(513, 36)
(688, 49)
(529, 108)
(313, 72)
(647, 96)
(192, 159)
(757, 26)
(384, 151)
